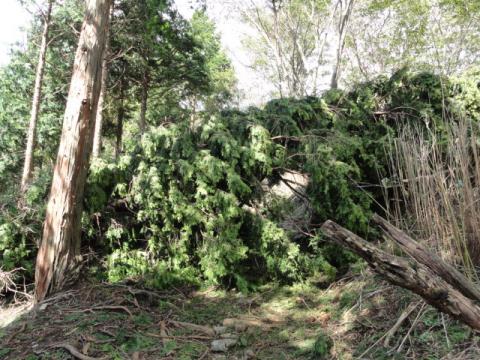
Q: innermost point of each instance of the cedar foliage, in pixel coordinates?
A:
(188, 202)
(190, 191)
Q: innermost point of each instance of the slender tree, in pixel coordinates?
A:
(37, 97)
(120, 120)
(144, 102)
(289, 46)
(60, 247)
(97, 134)
(344, 8)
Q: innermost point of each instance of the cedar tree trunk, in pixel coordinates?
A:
(59, 251)
(97, 135)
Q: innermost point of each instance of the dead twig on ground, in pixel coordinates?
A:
(14, 334)
(404, 316)
(181, 337)
(201, 328)
(106, 307)
(74, 352)
(415, 322)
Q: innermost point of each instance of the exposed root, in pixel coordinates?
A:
(77, 354)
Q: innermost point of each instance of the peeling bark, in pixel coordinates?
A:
(59, 251)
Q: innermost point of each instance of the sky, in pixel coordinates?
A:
(13, 17)
(255, 91)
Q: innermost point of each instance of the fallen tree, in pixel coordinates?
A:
(411, 275)
(431, 260)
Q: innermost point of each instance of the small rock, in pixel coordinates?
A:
(229, 336)
(219, 357)
(248, 322)
(220, 330)
(240, 327)
(223, 345)
(249, 354)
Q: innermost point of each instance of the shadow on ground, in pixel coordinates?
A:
(119, 321)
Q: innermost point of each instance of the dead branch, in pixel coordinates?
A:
(107, 307)
(417, 251)
(14, 334)
(180, 337)
(404, 316)
(200, 328)
(72, 350)
(410, 275)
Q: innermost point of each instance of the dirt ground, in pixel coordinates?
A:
(350, 319)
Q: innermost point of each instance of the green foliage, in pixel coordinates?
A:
(20, 230)
(219, 69)
(191, 190)
(191, 194)
(145, 35)
(128, 264)
(13, 248)
(321, 347)
(467, 94)
(188, 202)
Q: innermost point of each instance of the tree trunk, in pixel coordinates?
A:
(346, 11)
(144, 103)
(410, 275)
(97, 134)
(120, 118)
(37, 96)
(417, 251)
(60, 247)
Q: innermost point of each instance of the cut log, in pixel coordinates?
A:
(410, 275)
(417, 251)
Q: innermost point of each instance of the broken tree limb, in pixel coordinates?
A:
(410, 275)
(417, 251)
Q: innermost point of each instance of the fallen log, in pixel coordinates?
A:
(434, 262)
(410, 275)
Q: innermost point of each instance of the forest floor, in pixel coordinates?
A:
(350, 319)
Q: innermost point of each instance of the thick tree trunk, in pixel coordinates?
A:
(144, 103)
(37, 96)
(409, 275)
(97, 134)
(417, 251)
(120, 118)
(60, 247)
